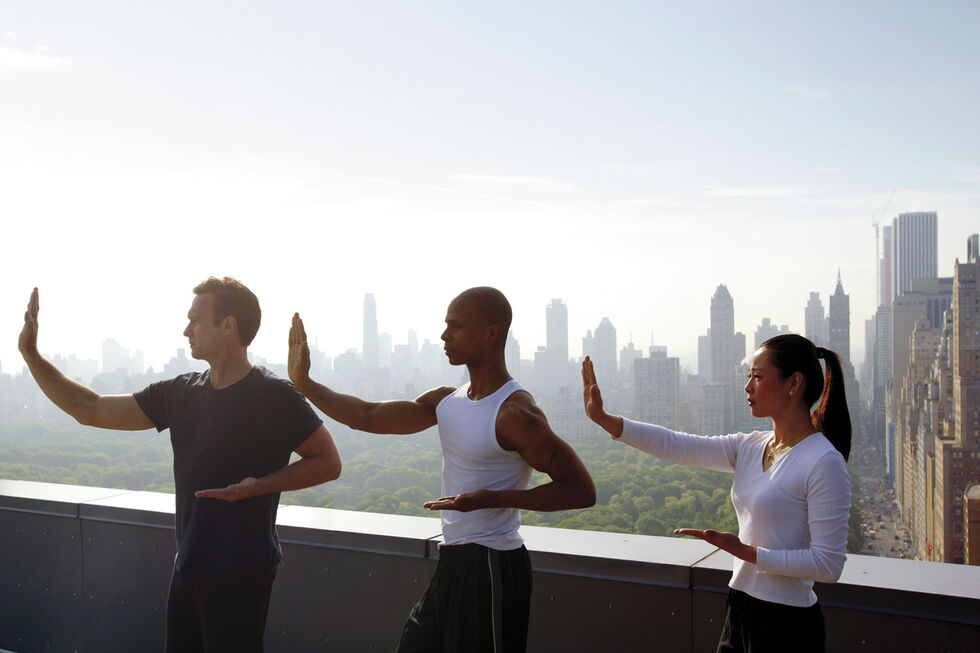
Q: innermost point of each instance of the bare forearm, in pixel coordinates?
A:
(70, 396)
(548, 497)
(346, 409)
(303, 473)
(395, 417)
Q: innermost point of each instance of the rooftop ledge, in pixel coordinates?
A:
(100, 560)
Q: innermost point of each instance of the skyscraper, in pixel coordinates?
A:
(886, 291)
(840, 322)
(556, 318)
(656, 388)
(719, 354)
(767, 330)
(369, 346)
(813, 314)
(957, 450)
(913, 250)
(605, 349)
(724, 358)
(551, 361)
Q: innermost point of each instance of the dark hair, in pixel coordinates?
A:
(231, 297)
(791, 353)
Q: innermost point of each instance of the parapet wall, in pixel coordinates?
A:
(87, 569)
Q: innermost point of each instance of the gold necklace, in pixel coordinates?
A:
(771, 453)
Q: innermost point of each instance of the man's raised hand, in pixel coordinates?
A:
(298, 362)
(27, 343)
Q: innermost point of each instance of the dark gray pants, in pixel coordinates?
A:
(210, 613)
(478, 601)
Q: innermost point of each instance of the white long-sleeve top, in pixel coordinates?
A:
(796, 512)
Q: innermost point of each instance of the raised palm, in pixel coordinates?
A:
(591, 396)
(298, 363)
(27, 342)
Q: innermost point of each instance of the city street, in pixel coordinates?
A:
(890, 537)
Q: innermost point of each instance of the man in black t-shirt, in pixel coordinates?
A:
(232, 429)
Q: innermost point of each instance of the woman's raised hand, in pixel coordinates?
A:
(592, 398)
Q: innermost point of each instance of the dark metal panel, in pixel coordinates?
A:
(40, 582)
(342, 599)
(575, 613)
(127, 575)
(863, 630)
(708, 614)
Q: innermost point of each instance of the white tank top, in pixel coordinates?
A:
(472, 459)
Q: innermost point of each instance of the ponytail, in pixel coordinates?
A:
(791, 353)
(831, 415)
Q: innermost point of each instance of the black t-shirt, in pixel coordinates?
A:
(220, 437)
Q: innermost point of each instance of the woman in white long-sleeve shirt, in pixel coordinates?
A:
(791, 491)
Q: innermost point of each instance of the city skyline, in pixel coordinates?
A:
(626, 158)
(369, 324)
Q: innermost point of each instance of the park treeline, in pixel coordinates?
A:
(636, 492)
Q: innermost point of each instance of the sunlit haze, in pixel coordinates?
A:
(626, 157)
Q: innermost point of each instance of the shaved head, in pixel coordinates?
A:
(491, 304)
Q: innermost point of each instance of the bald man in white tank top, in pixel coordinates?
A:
(492, 435)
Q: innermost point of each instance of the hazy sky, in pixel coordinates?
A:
(626, 157)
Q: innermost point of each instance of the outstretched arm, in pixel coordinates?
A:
(319, 462)
(370, 416)
(119, 412)
(523, 427)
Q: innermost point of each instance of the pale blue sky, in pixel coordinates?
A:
(624, 156)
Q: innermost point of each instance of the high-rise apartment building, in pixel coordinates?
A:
(937, 423)
(656, 388)
(914, 250)
(925, 299)
(913, 431)
(971, 541)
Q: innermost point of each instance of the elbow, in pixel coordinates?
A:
(332, 472)
(587, 495)
(831, 569)
(85, 418)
